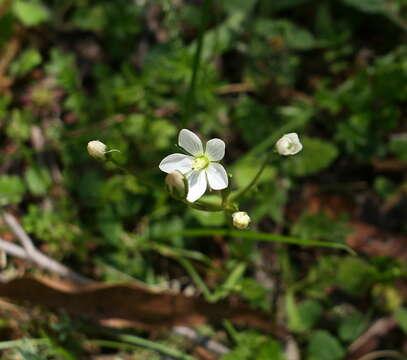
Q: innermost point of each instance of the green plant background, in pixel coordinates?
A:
(132, 74)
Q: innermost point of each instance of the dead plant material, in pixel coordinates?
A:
(371, 240)
(9, 52)
(123, 305)
(370, 339)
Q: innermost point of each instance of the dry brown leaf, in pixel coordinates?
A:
(122, 305)
(371, 240)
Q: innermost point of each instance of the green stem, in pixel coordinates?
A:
(260, 236)
(393, 15)
(197, 279)
(142, 181)
(190, 96)
(253, 182)
(23, 342)
(383, 354)
(204, 206)
(129, 342)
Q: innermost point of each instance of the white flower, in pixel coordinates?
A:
(175, 183)
(241, 220)
(97, 149)
(200, 168)
(289, 144)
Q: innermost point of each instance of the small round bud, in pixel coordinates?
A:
(289, 144)
(241, 220)
(97, 149)
(176, 183)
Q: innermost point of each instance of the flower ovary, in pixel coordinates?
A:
(200, 163)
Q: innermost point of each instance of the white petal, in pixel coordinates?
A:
(215, 149)
(217, 176)
(289, 144)
(190, 142)
(176, 162)
(196, 185)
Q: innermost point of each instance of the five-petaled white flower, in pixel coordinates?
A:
(201, 167)
(289, 144)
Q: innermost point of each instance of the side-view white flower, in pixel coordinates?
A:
(96, 149)
(289, 144)
(200, 168)
(175, 183)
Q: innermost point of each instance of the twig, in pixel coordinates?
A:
(212, 345)
(378, 328)
(13, 249)
(29, 252)
(385, 354)
(18, 231)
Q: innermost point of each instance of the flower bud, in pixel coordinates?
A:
(289, 144)
(176, 183)
(241, 220)
(97, 149)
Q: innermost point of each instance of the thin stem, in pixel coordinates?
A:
(204, 206)
(132, 342)
(394, 16)
(190, 96)
(138, 177)
(261, 236)
(253, 182)
(161, 348)
(385, 354)
(19, 343)
(197, 279)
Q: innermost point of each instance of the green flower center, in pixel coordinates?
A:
(200, 163)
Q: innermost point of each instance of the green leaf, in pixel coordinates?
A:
(30, 12)
(398, 146)
(355, 275)
(6, 27)
(295, 37)
(401, 317)
(368, 6)
(11, 189)
(19, 125)
(321, 227)
(302, 316)
(38, 180)
(323, 346)
(28, 60)
(255, 293)
(352, 325)
(252, 346)
(285, 4)
(315, 156)
(233, 6)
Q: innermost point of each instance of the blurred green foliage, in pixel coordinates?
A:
(120, 72)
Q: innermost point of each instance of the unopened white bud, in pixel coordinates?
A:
(97, 149)
(176, 183)
(241, 220)
(289, 144)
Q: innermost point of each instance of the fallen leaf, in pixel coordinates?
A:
(122, 305)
